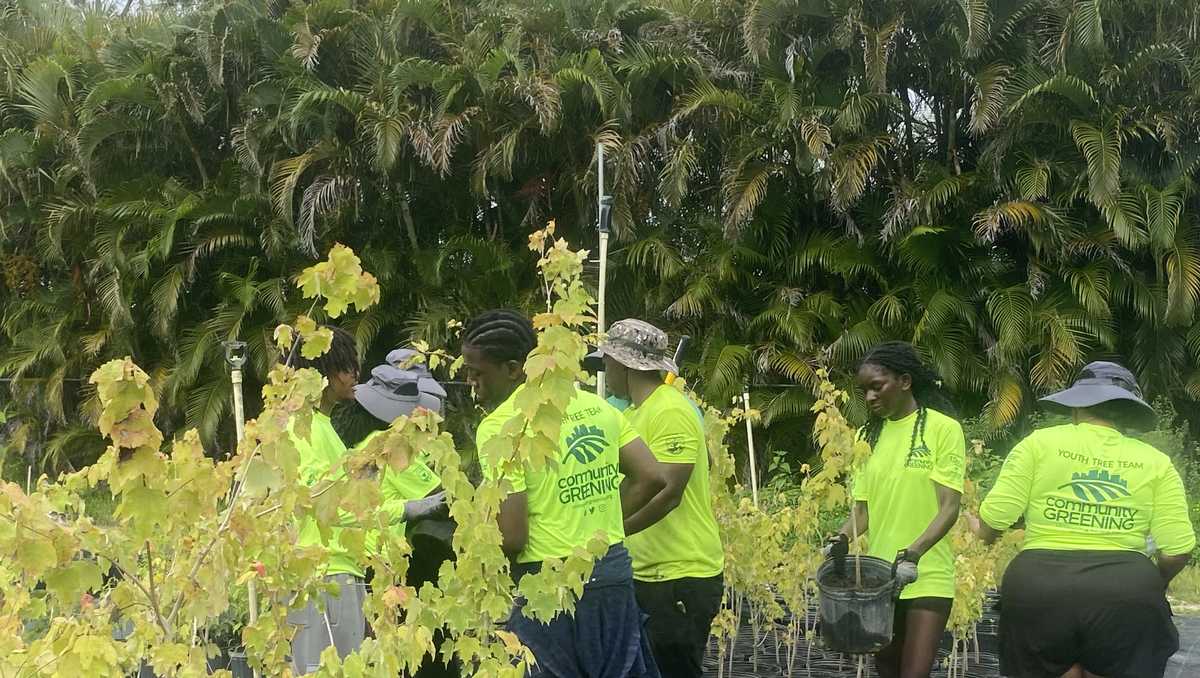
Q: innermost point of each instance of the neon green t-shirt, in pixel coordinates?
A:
(1089, 487)
(322, 450)
(581, 495)
(686, 542)
(399, 487)
(898, 488)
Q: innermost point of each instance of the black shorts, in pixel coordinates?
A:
(1104, 610)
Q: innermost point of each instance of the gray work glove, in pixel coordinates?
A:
(904, 570)
(428, 507)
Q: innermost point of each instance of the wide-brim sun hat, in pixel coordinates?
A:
(403, 359)
(391, 393)
(1102, 382)
(636, 344)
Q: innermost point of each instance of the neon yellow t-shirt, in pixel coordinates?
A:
(898, 488)
(1088, 487)
(686, 542)
(571, 501)
(398, 488)
(322, 450)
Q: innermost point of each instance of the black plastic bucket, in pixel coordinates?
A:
(857, 621)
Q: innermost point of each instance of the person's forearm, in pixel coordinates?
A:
(660, 504)
(939, 528)
(856, 525)
(1170, 566)
(634, 496)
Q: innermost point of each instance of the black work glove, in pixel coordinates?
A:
(837, 547)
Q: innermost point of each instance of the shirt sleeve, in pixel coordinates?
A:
(628, 432)
(1170, 522)
(393, 498)
(674, 439)
(1009, 498)
(950, 456)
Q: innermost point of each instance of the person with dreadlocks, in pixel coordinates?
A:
(342, 623)
(1083, 598)
(907, 495)
(604, 482)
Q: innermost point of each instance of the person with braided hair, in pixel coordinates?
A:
(604, 482)
(908, 495)
(340, 621)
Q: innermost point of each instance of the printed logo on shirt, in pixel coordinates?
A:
(1097, 485)
(585, 444)
(1093, 489)
(919, 457)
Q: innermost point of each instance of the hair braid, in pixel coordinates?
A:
(501, 335)
(901, 358)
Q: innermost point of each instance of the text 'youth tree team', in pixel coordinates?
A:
(1106, 520)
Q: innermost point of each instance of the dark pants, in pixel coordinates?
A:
(681, 612)
(602, 639)
(1104, 610)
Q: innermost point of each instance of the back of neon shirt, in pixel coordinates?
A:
(573, 500)
(1088, 487)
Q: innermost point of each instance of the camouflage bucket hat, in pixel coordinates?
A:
(638, 345)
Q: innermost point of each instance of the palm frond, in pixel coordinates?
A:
(988, 97)
(852, 164)
(1183, 279)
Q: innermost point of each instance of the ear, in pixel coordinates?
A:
(514, 369)
(905, 381)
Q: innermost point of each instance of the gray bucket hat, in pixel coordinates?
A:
(403, 359)
(638, 345)
(1101, 382)
(392, 392)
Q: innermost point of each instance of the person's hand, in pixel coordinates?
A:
(972, 522)
(837, 546)
(430, 506)
(905, 568)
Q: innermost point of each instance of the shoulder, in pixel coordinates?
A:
(1147, 452)
(1051, 437)
(942, 422)
(491, 424)
(672, 407)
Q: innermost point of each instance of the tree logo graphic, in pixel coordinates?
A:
(1097, 486)
(585, 444)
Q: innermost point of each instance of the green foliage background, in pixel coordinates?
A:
(1009, 184)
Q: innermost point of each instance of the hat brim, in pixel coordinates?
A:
(593, 362)
(634, 361)
(388, 407)
(1090, 395)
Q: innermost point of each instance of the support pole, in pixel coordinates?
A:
(602, 216)
(750, 444)
(235, 355)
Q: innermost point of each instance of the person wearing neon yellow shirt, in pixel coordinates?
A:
(907, 498)
(677, 562)
(1082, 599)
(412, 498)
(342, 623)
(603, 484)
